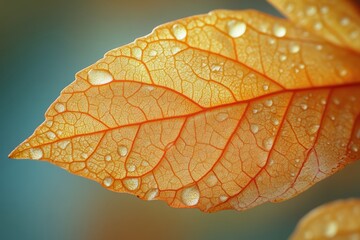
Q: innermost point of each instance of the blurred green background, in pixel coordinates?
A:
(42, 45)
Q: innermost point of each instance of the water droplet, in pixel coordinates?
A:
(268, 102)
(175, 50)
(84, 156)
(336, 101)
(268, 143)
(108, 158)
(137, 52)
(343, 72)
(354, 34)
(108, 181)
(304, 106)
(152, 194)
(289, 8)
(223, 198)
(345, 21)
(324, 9)
(296, 70)
(332, 117)
(310, 11)
(254, 128)
(99, 77)
(294, 48)
(271, 41)
(131, 167)
(318, 26)
(297, 160)
(145, 163)
(319, 47)
(276, 122)
(215, 68)
(323, 101)
(179, 31)
(331, 229)
(222, 116)
(314, 128)
(122, 150)
(211, 180)
(255, 111)
(49, 123)
(59, 107)
(131, 183)
(36, 153)
(292, 174)
(190, 196)
(236, 28)
(152, 53)
(279, 30)
(301, 66)
(265, 87)
(51, 135)
(282, 58)
(63, 144)
(354, 148)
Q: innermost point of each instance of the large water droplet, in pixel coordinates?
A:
(236, 28)
(331, 229)
(279, 30)
(36, 153)
(99, 77)
(122, 150)
(190, 196)
(179, 31)
(131, 183)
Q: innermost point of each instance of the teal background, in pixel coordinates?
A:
(42, 45)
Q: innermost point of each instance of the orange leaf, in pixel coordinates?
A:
(336, 220)
(225, 110)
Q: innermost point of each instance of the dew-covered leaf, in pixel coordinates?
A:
(338, 220)
(226, 110)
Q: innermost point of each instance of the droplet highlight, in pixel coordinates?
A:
(279, 30)
(190, 196)
(99, 77)
(36, 153)
(236, 28)
(122, 150)
(179, 31)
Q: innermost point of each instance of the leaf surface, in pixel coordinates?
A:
(226, 110)
(338, 220)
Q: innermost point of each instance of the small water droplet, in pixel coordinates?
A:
(275, 121)
(343, 72)
(255, 110)
(345, 21)
(354, 34)
(289, 7)
(63, 144)
(268, 102)
(271, 41)
(36, 153)
(324, 9)
(323, 101)
(254, 128)
(304, 106)
(294, 48)
(51, 135)
(179, 31)
(313, 129)
(49, 123)
(331, 229)
(282, 58)
(319, 47)
(108, 158)
(236, 28)
(222, 116)
(292, 174)
(336, 101)
(131, 167)
(223, 198)
(137, 52)
(297, 160)
(175, 50)
(279, 30)
(145, 163)
(268, 143)
(108, 181)
(311, 10)
(152, 53)
(131, 183)
(301, 66)
(265, 87)
(59, 107)
(211, 180)
(215, 68)
(332, 117)
(84, 156)
(318, 26)
(296, 70)
(122, 150)
(190, 196)
(99, 77)
(281, 70)
(152, 194)
(354, 148)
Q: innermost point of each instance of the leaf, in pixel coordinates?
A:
(337, 220)
(220, 111)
